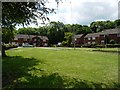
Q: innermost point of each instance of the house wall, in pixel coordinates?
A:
(115, 37)
(79, 41)
(96, 40)
(20, 41)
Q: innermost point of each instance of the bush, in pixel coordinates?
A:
(9, 46)
(113, 45)
(89, 45)
(64, 43)
(77, 45)
(112, 41)
(100, 46)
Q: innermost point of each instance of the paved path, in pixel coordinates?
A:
(55, 48)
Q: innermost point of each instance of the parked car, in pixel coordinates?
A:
(27, 45)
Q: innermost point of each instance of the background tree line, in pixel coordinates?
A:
(24, 13)
(59, 32)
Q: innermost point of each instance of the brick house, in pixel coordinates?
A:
(92, 38)
(78, 39)
(99, 38)
(36, 40)
(110, 34)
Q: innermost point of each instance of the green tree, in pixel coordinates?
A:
(67, 39)
(99, 26)
(42, 30)
(7, 35)
(117, 23)
(55, 32)
(16, 13)
(86, 29)
(109, 24)
(29, 31)
(68, 28)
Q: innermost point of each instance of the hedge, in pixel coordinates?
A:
(9, 46)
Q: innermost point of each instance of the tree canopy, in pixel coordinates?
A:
(16, 13)
(24, 13)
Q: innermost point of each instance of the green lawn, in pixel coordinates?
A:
(61, 67)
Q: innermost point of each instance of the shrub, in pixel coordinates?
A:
(113, 45)
(89, 45)
(9, 46)
(64, 43)
(100, 46)
(112, 41)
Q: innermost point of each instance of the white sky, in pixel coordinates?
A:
(83, 11)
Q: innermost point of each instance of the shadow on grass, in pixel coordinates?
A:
(55, 80)
(107, 51)
(14, 67)
(19, 72)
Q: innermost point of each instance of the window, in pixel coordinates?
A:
(93, 42)
(88, 42)
(102, 41)
(93, 38)
(44, 40)
(89, 38)
(118, 35)
(34, 39)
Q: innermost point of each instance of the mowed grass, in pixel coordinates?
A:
(65, 68)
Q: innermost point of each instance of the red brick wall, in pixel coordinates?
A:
(115, 37)
(96, 40)
(79, 41)
(111, 36)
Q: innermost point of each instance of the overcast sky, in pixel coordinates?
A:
(84, 11)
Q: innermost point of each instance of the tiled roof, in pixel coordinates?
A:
(92, 35)
(107, 31)
(78, 36)
(43, 37)
(30, 36)
(24, 36)
(111, 31)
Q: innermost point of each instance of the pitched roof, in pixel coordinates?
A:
(92, 35)
(30, 36)
(78, 36)
(24, 36)
(111, 31)
(43, 37)
(107, 31)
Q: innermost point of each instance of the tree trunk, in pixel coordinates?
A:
(3, 51)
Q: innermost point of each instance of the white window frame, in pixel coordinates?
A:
(102, 41)
(35, 39)
(93, 42)
(89, 43)
(93, 38)
(44, 40)
(118, 35)
(89, 38)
